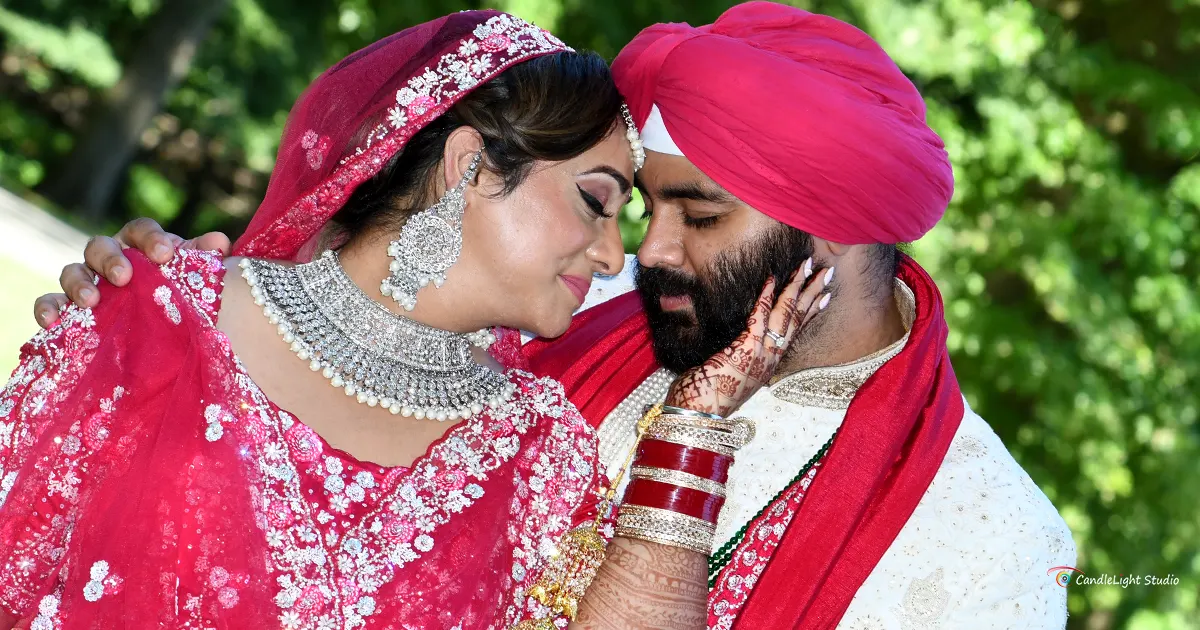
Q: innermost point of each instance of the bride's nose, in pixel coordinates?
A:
(607, 253)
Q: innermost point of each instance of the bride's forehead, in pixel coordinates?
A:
(609, 156)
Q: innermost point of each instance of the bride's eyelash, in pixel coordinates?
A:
(593, 203)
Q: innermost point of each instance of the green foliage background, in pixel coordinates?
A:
(1068, 257)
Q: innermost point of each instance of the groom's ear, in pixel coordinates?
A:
(824, 249)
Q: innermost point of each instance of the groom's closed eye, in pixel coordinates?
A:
(701, 222)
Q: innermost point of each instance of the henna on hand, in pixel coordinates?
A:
(644, 585)
(730, 377)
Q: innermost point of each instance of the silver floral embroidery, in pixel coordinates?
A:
(214, 415)
(463, 69)
(736, 581)
(362, 549)
(162, 297)
(94, 589)
(10, 479)
(47, 611)
(924, 602)
(204, 307)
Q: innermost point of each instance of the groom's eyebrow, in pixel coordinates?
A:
(613, 173)
(695, 191)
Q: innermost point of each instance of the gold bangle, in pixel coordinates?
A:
(665, 527)
(672, 410)
(679, 478)
(739, 430)
(701, 546)
(694, 437)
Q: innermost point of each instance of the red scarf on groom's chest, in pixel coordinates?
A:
(890, 445)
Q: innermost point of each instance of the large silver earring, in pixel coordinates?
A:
(429, 244)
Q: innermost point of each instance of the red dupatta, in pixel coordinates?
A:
(889, 447)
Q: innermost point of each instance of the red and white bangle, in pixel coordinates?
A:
(678, 478)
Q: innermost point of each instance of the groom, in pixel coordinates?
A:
(871, 496)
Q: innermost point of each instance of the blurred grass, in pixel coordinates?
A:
(19, 286)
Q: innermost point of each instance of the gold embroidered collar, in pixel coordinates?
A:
(833, 387)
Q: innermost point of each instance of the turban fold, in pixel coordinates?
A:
(801, 116)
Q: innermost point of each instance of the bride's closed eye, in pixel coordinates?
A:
(601, 187)
(595, 204)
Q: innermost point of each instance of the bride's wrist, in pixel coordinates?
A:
(678, 477)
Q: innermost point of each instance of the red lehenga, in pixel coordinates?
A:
(149, 483)
(146, 482)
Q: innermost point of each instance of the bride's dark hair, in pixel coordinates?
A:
(550, 108)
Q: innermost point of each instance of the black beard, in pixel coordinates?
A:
(723, 296)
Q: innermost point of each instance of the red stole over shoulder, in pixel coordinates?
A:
(601, 359)
(891, 444)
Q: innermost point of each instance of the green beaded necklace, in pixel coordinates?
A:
(720, 559)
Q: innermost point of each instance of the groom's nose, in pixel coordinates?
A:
(663, 245)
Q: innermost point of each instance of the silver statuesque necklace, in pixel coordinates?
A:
(373, 354)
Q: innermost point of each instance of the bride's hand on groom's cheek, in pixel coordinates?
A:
(104, 256)
(730, 377)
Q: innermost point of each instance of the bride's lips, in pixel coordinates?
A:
(578, 286)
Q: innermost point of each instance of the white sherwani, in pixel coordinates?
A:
(976, 551)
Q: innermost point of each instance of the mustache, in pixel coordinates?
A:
(722, 295)
(663, 281)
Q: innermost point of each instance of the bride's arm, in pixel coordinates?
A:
(646, 585)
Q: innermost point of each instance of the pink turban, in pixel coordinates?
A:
(801, 116)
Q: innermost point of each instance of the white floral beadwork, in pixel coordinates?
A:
(47, 613)
(371, 547)
(162, 297)
(94, 589)
(499, 42)
(737, 579)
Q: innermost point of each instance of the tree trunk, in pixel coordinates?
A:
(193, 197)
(88, 178)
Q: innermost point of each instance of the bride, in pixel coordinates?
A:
(248, 442)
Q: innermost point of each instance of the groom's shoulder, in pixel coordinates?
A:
(980, 474)
(1003, 524)
(979, 548)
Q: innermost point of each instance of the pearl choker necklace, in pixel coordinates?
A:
(373, 354)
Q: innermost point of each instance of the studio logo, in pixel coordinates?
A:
(1066, 576)
(1063, 575)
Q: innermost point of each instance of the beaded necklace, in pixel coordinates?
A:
(720, 559)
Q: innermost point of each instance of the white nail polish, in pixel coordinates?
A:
(808, 267)
(824, 302)
(828, 276)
